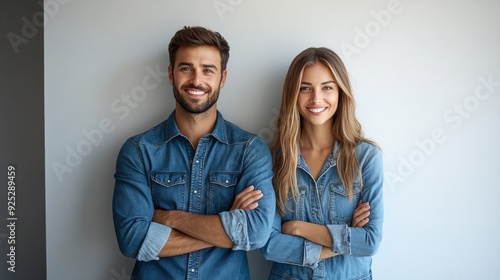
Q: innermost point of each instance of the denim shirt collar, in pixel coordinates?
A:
(219, 131)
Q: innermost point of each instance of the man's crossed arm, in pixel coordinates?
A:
(192, 232)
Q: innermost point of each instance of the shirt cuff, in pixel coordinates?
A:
(341, 236)
(235, 225)
(155, 239)
(312, 253)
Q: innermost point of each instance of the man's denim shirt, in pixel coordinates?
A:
(161, 169)
(326, 202)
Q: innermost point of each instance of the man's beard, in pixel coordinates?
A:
(198, 106)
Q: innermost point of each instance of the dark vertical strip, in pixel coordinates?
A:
(22, 226)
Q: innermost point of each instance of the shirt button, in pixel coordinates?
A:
(168, 181)
(227, 181)
(197, 161)
(239, 227)
(192, 269)
(195, 191)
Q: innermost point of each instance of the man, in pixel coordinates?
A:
(181, 205)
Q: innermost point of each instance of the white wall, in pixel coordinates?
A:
(426, 77)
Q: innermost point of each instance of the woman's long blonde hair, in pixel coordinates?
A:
(346, 128)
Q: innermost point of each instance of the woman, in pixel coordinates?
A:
(327, 177)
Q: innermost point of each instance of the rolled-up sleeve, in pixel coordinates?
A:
(290, 249)
(138, 237)
(341, 236)
(236, 224)
(250, 229)
(155, 239)
(312, 253)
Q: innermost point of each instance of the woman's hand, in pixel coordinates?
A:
(361, 214)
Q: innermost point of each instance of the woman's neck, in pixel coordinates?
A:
(317, 137)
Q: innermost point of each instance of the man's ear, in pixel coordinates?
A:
(223, 79)
(170, 74)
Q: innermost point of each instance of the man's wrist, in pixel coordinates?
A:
(164, 217)
(173, 217)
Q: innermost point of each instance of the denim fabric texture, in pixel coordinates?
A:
(160, 169)
(326, 202)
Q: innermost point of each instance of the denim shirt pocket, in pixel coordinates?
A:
(341, 207)
(222, 191)
(169, 190)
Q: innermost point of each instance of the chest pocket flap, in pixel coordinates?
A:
(169, 179)
(338, 188)
(224, 179)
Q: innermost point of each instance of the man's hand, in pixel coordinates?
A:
(247, 199)
(361, 214)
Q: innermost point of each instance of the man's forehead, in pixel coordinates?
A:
(198, 54)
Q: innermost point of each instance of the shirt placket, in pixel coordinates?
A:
(321, 188)
(315, 204)
(195, 203)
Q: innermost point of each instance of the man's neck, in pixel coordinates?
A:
(195, 126)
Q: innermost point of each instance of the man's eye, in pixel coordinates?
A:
(185, 69)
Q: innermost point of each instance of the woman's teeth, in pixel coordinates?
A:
(316, 110)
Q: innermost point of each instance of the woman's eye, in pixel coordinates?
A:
(305, 89)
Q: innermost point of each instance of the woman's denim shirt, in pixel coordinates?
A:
(161, 169)
(326, 202)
